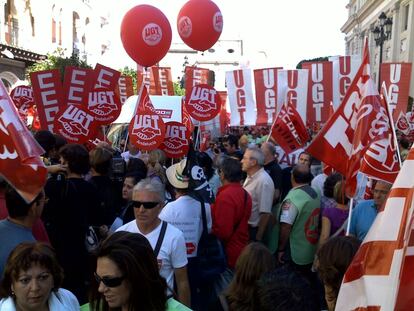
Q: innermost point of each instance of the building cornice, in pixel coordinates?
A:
(360, 15)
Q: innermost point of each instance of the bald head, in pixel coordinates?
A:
(301, 174)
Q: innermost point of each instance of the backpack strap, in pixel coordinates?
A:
(160, 238)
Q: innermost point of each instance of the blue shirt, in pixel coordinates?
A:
(363, 215)
(11, 235)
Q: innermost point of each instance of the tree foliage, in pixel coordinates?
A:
(126, 71)
(317, 59)
(57, 60)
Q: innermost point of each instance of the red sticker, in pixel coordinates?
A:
(176, 142)
(75, 124)
(203, 103)
(104, 105)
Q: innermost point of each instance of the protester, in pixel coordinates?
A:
(284, 289)
(206, 163)
(148, 200)
(272, 167)
(365, 212)
(71, 213)
(18, 226)
(126, 213)
(334, 219)
(333, 259)
(319, 180)
(155, 165)
(231, 211)
(100, 160)
(185, 214)
(254, 261)
(32, 280)
(299, 219)
(230, 143)
(261, 188)
(132, 152)
(127, 276)
(47, 141)
(327, 199)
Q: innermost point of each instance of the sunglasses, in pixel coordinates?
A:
(147, 205)
(109, 282)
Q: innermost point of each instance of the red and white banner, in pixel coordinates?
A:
(104, 105)
(76, 124)
(240, 96)
(293, 87)
(144, 76)
(396, 77)
(194, 76)
(265, 81)
(402, 124)
(224, 116)
(20, 162)
(380, 276)
(283, 132)
(298, 123)
(358, 122)
(22, 97)
(125, 88)
(177, 140)
(163, 84)
(76, 85)
(105, 77)
(47, 91)
(344, 69)
(319, 91)
(146, 129)
(203, 102)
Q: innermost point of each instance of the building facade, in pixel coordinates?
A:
(29, 29)
(362, 20)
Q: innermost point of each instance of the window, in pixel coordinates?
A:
(406, 14)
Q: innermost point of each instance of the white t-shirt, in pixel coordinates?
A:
(185, 214)
(172, 253)
(318, 182)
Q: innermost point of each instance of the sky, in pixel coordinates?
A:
(287, 31)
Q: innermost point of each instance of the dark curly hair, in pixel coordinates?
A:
(134, 256)
(23, 257)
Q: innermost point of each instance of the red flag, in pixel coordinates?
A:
(20, 162)
(146, 129)
(125, 88)
(284, 132)
(402, 124)
(194, 76)
(298, 123)
(163, 83)
(380, 276)
(359, 121)
(381, 159)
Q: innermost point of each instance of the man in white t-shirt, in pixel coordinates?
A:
(148, 200)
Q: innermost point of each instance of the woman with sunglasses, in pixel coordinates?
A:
(127, 276)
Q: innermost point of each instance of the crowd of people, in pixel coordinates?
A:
(120, 229)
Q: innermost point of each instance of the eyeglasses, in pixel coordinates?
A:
(147, 205)
(108, 281)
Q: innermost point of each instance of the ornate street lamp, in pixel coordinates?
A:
(382, 33)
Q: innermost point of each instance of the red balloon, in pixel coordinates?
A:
(199, 24)
(146, 34)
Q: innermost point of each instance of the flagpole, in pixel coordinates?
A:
(394, 135)
(348, 226)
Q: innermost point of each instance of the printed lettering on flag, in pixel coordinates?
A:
(163, 84)
(293, 87)
(396, 77)
(344, 69)
(265, 81)
(203, 102)
(319, 91)
(22, 97)
(48, 94)
(76, 84)
(125, 88)
(223, 116)
(402, 124)
(104, 105)
(240, 96)
(283, 132)
(20, 162)
(298, 123)
(380, 275)
(194, 76)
